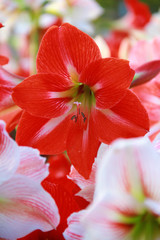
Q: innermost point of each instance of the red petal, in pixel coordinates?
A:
(82, 147)
(59, 168)
(127, 119)
(109, 79)
(66, 45)
(48, 135)
(60, 194)
(41, 95)
(64, 195)
(3, 60)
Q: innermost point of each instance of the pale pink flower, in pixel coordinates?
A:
(149, 93)
(24, 205)
(144, 51)
(76, 230)
(126, 204)
(127, 195)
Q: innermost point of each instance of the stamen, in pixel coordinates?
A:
(78, 107)
(75, 117)
(84, 117)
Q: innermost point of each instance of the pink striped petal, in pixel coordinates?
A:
(144, 51)
(9, 155)
(149, 94)
(7, 82)
(75, 230)
(87, 185)
(25, 206)
(32, 164)
(87, 193)
(127, 185)
(137, 169)
(122, 154)
(10, 114)
(100, 221)
(153, 133)
(156, 142)
(80, 180)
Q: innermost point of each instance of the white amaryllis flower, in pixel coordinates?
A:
(126, 204)
(24, 205)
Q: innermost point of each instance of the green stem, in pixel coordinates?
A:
(34, 41)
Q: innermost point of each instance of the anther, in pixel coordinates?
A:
(74, 117)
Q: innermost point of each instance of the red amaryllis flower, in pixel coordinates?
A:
(114, 40)
(77, 99)
(3, 59)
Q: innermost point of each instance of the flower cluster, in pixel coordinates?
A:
(79, 122)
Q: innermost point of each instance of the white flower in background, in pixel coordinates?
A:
(24, 205)
(126, 204)
(152, 29)
(79, 13)
(15, 15)
(103, 46)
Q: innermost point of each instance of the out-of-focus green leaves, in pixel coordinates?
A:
(114, 9)
(112, 4)
(153, 4)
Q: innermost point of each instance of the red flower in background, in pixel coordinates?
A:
(114, 40)
(9, 112)
(77, 99)
(3, 59)
(138, 13)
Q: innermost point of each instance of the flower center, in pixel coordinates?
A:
(84, 95)
(145, 226)
(83, 100)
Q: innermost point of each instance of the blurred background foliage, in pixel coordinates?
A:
(115, 9)
(115, 4)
